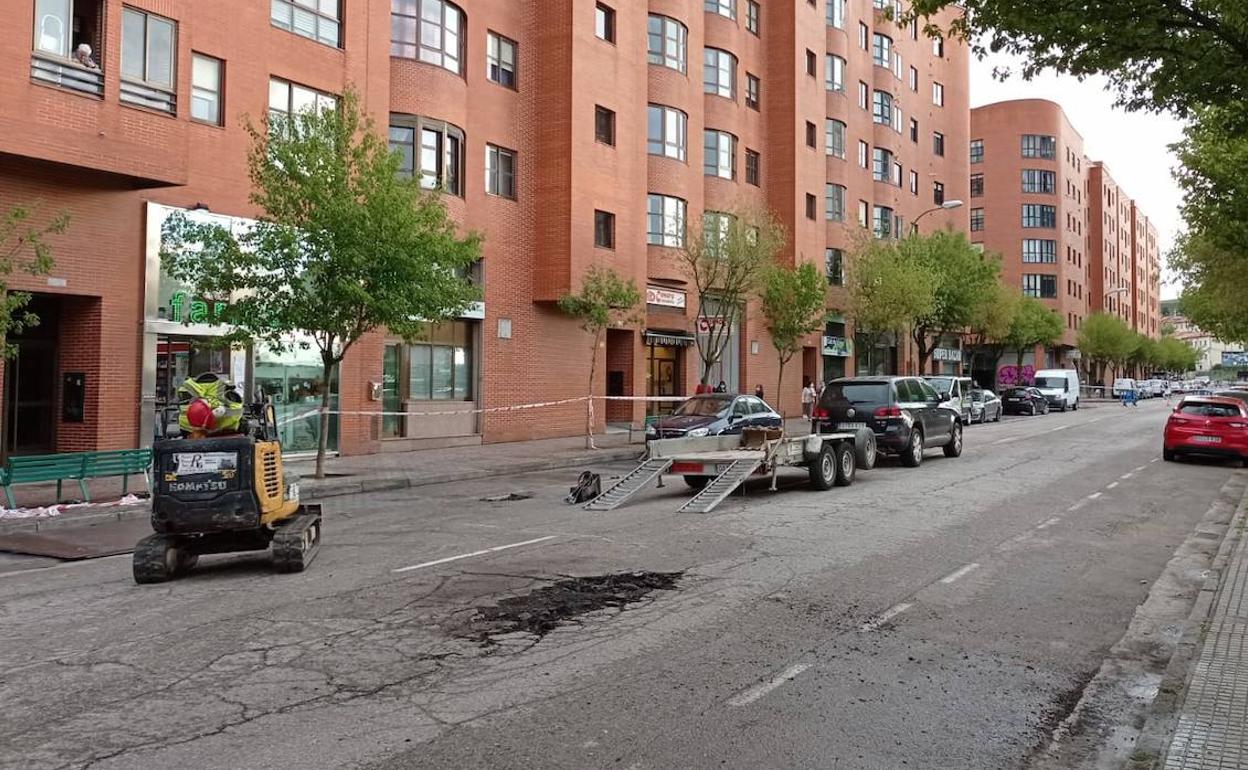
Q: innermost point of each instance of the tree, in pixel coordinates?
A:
(1103, 340)
(1144, 355)
(888, 290)
(1157, 54)
(793, 303)
(605, 299)
(1176, 356)
(964, 279)
(24, 248)
(343, 246)
(725, 255)
(1033, 324)
(989, 324)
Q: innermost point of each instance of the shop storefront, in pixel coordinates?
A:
(665, 366)
(875, 354)
(712, 331)
(429, 387)
(837, 348)
(947, 356)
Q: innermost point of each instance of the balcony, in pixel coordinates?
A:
(57, 72)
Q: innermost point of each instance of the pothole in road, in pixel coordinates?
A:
(544, 609)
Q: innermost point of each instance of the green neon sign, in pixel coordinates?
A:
(183, 308)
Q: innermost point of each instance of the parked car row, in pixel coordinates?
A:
(1215, 426)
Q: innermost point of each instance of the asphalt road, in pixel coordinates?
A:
(941, 617)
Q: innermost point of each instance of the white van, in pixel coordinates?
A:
(1060, 387)
(1122, 385)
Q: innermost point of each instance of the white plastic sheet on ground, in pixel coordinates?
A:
(49, 511)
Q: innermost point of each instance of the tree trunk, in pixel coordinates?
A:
(1018, 370)
(322, 441)
(589, 403)
(779, 382)
(924, 350)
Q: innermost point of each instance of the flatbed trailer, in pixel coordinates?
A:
(718, 465)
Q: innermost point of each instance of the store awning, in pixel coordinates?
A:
(669, 339)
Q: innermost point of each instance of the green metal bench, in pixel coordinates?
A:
(76, 466)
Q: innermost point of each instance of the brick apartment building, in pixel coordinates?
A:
(1067, 234)
(569, 132)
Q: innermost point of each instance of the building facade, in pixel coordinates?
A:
(570, 133)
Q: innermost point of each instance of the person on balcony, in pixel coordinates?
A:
(82, 55)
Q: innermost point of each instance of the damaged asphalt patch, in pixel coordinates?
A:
(542, 610)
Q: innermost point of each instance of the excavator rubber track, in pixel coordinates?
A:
(297, 540)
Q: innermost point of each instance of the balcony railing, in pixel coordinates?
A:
(63, 74)
(143, 95)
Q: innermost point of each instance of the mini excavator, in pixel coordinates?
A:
(221, 488)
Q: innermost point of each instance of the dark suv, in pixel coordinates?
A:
(905, 413)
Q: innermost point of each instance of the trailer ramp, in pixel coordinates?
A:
(723, 485)
(628, 486)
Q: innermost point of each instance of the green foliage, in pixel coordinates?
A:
(888, 288)
(1105, 339)
(343, 245)
(989, 324)
(1176, 356)
(725, 255)
(964, 280)
(1033, 324)
(24, 248)
(793, 303)
(1157, 54)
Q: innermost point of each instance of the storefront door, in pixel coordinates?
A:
(662, 378)
(30, 383)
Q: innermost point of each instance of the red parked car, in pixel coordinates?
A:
(1208, 425)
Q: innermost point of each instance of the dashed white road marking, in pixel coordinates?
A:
(1126, 475)
(1077, 505)
(1094, 495)
(746, 697)
(885, 616)
(1142, 467)
(1049, 523)
(1155, 459)
(1060, 427)
(960, 572)
(1112, 484)
(482, 552)
(1008, 440)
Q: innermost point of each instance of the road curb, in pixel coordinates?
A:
(310, 489)
(1160, 723)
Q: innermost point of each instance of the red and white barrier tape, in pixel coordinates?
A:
(485, 410)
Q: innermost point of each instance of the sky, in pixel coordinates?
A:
(1134, 145)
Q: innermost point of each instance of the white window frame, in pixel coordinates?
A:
(834, 73)
(673, 141)
(725, 8)
(319, 20)
(209, 93)
(668, 45)
(719, 158)
(669, 213)
(502, 56)
(450, 49)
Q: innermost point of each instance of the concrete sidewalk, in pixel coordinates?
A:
(1203, 721)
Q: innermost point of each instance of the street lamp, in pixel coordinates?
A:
(947, 205)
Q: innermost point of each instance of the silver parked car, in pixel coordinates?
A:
(985, 406)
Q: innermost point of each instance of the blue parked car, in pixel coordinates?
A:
(713, 414)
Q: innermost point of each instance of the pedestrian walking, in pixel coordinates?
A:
(758, 392)
(722, 387)
(808, 399)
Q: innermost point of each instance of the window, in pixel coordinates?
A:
(862, 154)
(726, 8)
(751, 167)
(863, 95)
(896, 173)
(432, 149)
(938, 144)
(206, 79)
(835, 138)
(914, 130)
(812, 63)
(667, 132)
(500, 60)
(1039, 146)
(1039, 250)
(1040, 286)
(938, 193)
(977, 220)
(604, 22)
(834, 266)
(938, 95)
(836, 13)
(977, 150)
(604, 229)
(882, 222)
(604, 125)
(812, 134)
(914, 79)
(314, 19)
(864, 36)
(864, 214)
(881, 164)
(440, 369)
(938, 47)
(500, 172)
(751, 16)
(148, 52)
(752, 86)
(977, 185)
(914, 182)
(428, 30)
(1035, 215)
(811, 205)
(836, 203)
(720, 154)
(835, 73)
(667, 43)
(719, 73)
(882, 50)
(1039, 181)
(882, 107)
(665, 221)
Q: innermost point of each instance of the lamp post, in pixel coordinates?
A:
(946, 206)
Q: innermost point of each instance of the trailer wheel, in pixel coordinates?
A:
(697, 482)
(864, 448)
(846, 464)
(823, 473)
